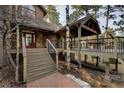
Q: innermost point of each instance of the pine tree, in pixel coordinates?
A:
(120, 23)
(52, 14)
(81, 10)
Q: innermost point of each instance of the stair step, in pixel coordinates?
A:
(40, 65)
(42, 59)
(30, 75)
(40, 62)
(40, 76)
(32, 49)
(40, 69)
(37, 53)
(38, 56)
(39, 50)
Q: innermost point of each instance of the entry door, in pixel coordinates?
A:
(30, 40)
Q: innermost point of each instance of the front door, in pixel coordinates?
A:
(30, 40)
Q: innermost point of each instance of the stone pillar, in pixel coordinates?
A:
(68, 47)
(79, 45)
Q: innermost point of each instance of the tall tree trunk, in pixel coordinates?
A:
(4, 49)
(67, 14)
(107, 20)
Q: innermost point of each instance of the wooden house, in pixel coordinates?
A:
(34, 46)
(26, 41)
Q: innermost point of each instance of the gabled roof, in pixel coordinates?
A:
(43, 25)
(82, 21)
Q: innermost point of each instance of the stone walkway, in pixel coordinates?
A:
(56, 80)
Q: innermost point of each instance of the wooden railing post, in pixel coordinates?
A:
(24, 60)
(57, 61)
(97, 58)
(115, 51)
(63, 43)
(115, 47)
(17, 54)
(79, 45)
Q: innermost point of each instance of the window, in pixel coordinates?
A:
(30, 7)
(28, 11)
(30, 39)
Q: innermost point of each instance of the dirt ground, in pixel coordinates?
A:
(93, 77)
(7, 79)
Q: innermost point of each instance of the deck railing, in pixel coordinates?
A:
(120, 44)
(101, 45)
(111, 45)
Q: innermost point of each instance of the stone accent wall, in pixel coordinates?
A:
(39, 40)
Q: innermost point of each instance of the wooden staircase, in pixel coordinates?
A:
(39, 63)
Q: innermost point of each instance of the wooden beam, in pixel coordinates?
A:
(91, 30)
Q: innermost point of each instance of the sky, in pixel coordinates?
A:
(101, 20)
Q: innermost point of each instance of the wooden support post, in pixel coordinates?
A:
(97, 58)
(115, 52)
(116, 65)
(74, 42)
(85, 58)
(63, 42)
(24, 60)
(115, 47)
(57, 60)
(17, 54)
(79, 45)
(68, 47)
(107, 73)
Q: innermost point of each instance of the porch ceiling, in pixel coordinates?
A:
(84, 31)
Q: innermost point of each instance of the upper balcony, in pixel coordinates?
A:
(22, 14)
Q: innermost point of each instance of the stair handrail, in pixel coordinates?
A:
(52, 45)
(47, 45)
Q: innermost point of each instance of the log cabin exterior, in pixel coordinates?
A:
(36, 45)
